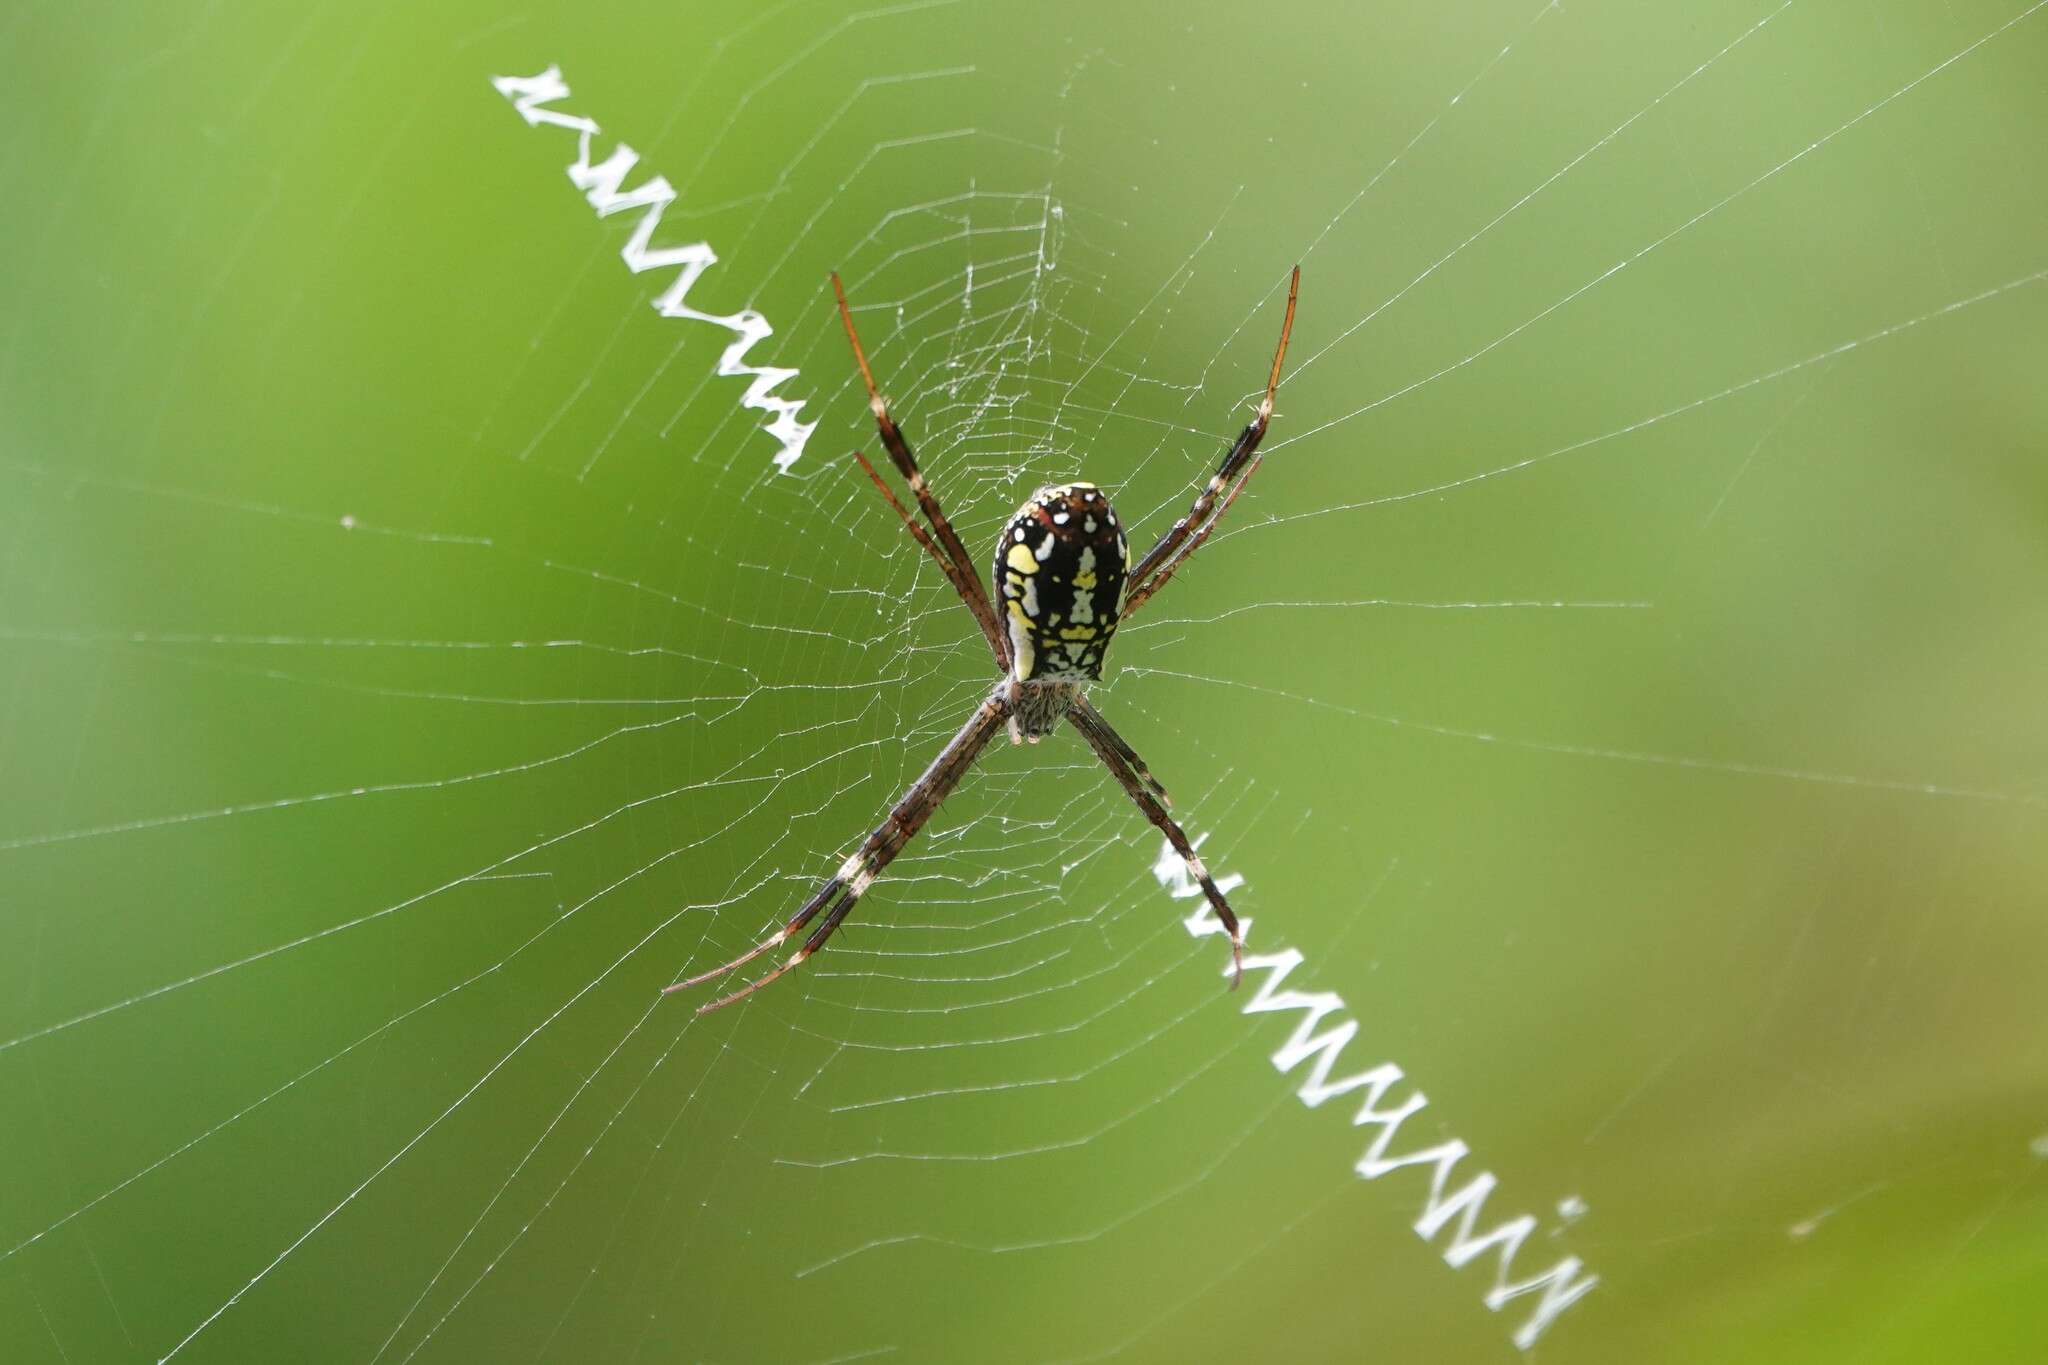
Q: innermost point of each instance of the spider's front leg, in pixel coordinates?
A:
(1130, 772)
(843, 889)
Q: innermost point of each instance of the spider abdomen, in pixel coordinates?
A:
(1059, 574)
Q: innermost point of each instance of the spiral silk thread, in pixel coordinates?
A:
(1459, 1209)
(603, 184)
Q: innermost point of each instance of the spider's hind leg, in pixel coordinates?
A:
(1187, 534)
(947, 549)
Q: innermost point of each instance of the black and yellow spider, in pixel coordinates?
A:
(1061, 570)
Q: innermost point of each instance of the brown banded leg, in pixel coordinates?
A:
(839, 893)
(996, 640)
(1088, 715)
(1237, 467)
(964, 577)
(1131, 774)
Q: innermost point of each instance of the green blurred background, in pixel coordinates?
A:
(1622, 682)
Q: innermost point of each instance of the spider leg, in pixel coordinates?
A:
(1088, 715)
(964, 576)
(996, 640)
(1131, 773)
(1238, 464)
(844, 888)
(1195, 541)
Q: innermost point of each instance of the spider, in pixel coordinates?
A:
(1063, 577)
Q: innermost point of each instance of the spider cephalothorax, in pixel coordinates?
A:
(1063, 580)
(1059, 575)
